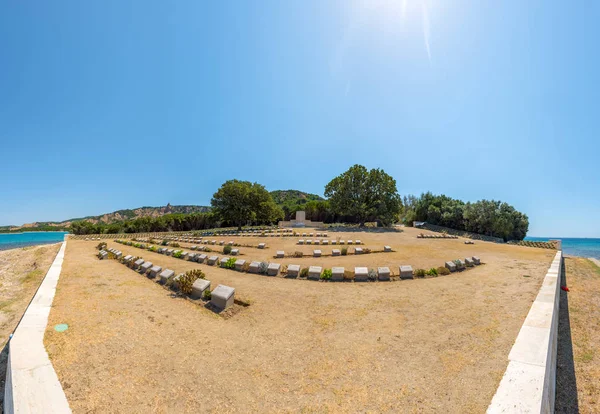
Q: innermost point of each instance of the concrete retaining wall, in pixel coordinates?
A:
(529, 383)
(32, 385)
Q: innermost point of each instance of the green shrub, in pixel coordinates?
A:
(207, 294)
(443, 271)
(344, 251)
(304, 272)
(420, 273)
(263, 267)
(178, 254)
(186, 280)
(432, 272)
(197, 272)
(229, 264)
(227, 249)
(174, 244)
(164, 243)
(326, 275)
(153, 248)
(101, 246)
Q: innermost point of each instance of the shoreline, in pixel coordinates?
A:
(26, 244)
(595, 261)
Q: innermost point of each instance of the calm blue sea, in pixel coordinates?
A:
(12, 241)
(575, 247)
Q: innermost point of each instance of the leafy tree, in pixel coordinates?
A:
(241, 202)
(487, 217)
(362, 195)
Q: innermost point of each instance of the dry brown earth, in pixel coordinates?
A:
(427, 345)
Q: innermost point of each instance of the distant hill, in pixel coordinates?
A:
(283, 197)
(114, 217)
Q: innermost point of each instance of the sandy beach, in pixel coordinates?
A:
(21, 271)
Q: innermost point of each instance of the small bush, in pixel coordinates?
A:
(432, 272)
(263, 267)
(298, 254)
(246, 267)
(326, 275)
(227, 249)
(366, 250)
(174, 244)
(164, 243)
(420, 273)
(101, 246)
(229, 264)
(198, 273)
(443, 271)
(207, 294)
(178, 254)
(344, 251)
(372, 275)
(186, 281)
(284, 269)
(304, 272)
(207, 249)
(153, 248)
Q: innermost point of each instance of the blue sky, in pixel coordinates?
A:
(120, 104)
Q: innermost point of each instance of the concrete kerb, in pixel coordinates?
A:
(32, 385)
(529, 383)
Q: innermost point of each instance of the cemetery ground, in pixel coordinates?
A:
(423, 345)
(21, 271)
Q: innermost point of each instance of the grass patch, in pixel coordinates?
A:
(32, 276)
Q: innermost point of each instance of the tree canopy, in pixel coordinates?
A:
(487, 217)
(364, 195)
(242, 202)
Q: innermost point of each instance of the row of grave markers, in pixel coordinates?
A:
(361, 274)
(222, 296)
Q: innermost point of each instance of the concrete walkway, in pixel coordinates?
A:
(32, 385)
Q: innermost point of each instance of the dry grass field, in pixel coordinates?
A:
(21, 271)
(424, 345)
(583, 277)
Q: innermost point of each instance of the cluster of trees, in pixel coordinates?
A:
(168, 222)
(360, 195)
(487, 217)
(242, 203)
(42, 227)
(356, 196)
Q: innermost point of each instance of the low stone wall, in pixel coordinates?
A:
(447, 230)
(529, 383)
(32, 385)
(552, 244)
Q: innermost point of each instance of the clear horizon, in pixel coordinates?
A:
(121, 105)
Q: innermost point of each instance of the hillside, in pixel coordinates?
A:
(109, 218)
(283, 197)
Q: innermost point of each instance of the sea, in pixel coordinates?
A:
(33, 238)
(575, 247)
